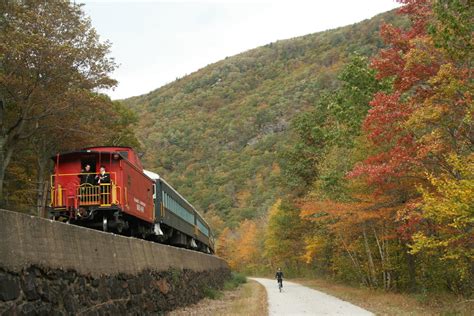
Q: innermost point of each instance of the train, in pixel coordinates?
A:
(106, 188)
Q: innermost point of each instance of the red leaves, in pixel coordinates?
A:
(384, 168)
(383, 119)
(411, 60)
(388, 63)
(419, 12)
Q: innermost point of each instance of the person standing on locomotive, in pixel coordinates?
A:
(102, 177)
(102, 180)
(86, 176)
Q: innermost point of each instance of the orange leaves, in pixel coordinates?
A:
(247, 253)
(348, 214)
(240, 247)
(317, 210)
(225, 245)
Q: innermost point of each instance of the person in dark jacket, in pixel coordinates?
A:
(87, 179)
(279, 276)
(86, 176)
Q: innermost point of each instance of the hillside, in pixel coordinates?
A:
(216, 134)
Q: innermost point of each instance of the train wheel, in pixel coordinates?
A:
(119, 228)
(104, 224)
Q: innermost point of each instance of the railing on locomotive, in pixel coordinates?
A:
(105, 194)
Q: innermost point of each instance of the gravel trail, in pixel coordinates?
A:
(296, 299)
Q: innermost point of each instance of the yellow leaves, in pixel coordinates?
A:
(274, 208)
(314, 245)
(365, 207)
(447, 81)
(449, 205)
(421, 53)
(422, 242)
(452, 200)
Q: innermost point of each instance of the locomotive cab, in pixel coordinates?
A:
(109, 198)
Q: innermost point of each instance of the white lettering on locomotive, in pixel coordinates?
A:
(140, 205)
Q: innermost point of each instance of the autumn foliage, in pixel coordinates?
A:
(389, 164)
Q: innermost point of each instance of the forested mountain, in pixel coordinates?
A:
(217, 134)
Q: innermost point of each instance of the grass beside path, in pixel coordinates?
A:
(387, 303)
(247, 299)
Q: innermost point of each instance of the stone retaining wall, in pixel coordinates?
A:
(49, 268)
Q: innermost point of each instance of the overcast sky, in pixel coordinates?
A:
(156, 42)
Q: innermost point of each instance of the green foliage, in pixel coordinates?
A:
(235, 280)
(212, 293)
(122, 126)
(283, 245)
(175, 275)
(329, 131)
(453, 27)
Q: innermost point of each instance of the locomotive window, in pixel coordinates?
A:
(177, 209)
(124, 154)
(88, 161)
(203, 227)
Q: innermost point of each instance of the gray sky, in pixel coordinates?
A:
(156, 42)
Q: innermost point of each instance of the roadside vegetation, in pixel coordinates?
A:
(234, 282)
(239, 297)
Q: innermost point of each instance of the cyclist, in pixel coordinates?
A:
(279, 277)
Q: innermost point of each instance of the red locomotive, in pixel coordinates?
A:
(107, 188)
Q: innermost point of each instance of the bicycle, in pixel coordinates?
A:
(280, 285)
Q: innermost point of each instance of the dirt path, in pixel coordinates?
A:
(296, 299)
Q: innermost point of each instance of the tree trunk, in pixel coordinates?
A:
(372, 273)
(355, 262)
(411, 266)
(8, 139)
(40, 178)
(383, 260)
(5, 158)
